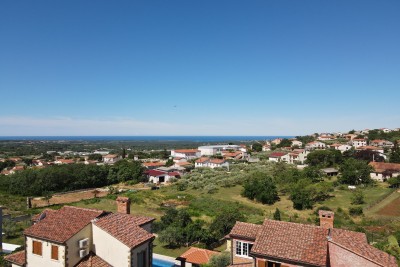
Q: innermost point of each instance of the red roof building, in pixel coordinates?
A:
(277, 243)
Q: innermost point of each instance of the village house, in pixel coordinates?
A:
(111, 158)
(218, 149)
(315, 145)
(205, 162)
(153, 165)
(297, 156)
(296, 143)
(325, 138)
(64, 161)
(350, 136)
(385, 130)
(83, 237)
(357, 142)
(276, 141)
(278, 157)
(266, 147)
(383, 171)
(288, 244)
(381, 143)
(380, 150)
(341, 147)
(161, 177)
(186, 153)
(196, 257)
(236, 155)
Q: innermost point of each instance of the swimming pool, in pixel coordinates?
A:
(162, 263)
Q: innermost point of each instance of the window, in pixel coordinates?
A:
(54, 252)
(37, 247)
(243, 248)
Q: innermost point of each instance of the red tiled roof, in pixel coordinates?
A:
(110, 156)
(17, 258)
(36, 217)
(277, 154)
(301, 243)
(358, 244)
(383, 166)
(202, 159)
(174, 174)
(217, 161)
(92, 260)
(155, 172)
(153, 164)
(197, 255)
(245, 230)
(183, 163)
(126, 228)
(369, 148)
(61, 225)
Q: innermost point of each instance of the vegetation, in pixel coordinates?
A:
(324, 158)
(40, 182)
(221, 260)
(261, 188)
(355, 172)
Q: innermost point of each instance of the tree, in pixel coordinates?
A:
(172, 236)
(123, 153)
(169, 162)
(97, 157)
(261, 188)
(256, 147)
(357, 198)
(301, 195)
(369, 155)
(355, 172)
(225, 220)
(277, 215)
(9, 228)
(324, 158)
(285, 143)
(313, 173)
(220, 260)
(395, 154)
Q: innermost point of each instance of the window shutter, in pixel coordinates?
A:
(260, 263)
(37, 247)
(54, 252)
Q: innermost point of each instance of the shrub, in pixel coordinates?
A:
(355, 211)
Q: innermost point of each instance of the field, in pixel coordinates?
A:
(389, 207)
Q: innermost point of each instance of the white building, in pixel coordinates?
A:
(383, 171)
(205, 162)
(83, 237)
(357, 142)
(278, 157)
(111, 158)
(315, 145)
(217, 149)
(297, 143)
(186, 153)
(341, 147)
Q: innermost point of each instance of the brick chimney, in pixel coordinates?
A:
(124, 205)
(326, 218)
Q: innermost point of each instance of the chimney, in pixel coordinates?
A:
(124, 205)
(326, 218)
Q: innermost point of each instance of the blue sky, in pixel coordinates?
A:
(198, 67)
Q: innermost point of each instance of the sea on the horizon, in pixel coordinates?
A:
(143, 138)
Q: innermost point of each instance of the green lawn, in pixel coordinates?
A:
(160, 249)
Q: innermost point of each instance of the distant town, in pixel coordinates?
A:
(325, 199)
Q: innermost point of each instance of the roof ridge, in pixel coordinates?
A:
(80, 208)
(303, 224)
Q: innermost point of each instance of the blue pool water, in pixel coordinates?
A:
(162, 263)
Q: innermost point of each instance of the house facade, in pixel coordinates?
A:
(186, 153)
(205, 162)
(357, 142)
(278, 157)
(315, 145)
(75, 236)
(287, 244)
(383, 171)
(111, 158)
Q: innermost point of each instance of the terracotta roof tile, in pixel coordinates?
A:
(17, 258)
(358, 244)
(383, 166)
(302, 243)
(245, 230)
(92, 260)
(126, 228)
(277, 154)
(197, 255)
(61, 225)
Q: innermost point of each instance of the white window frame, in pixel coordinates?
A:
(242, 247)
